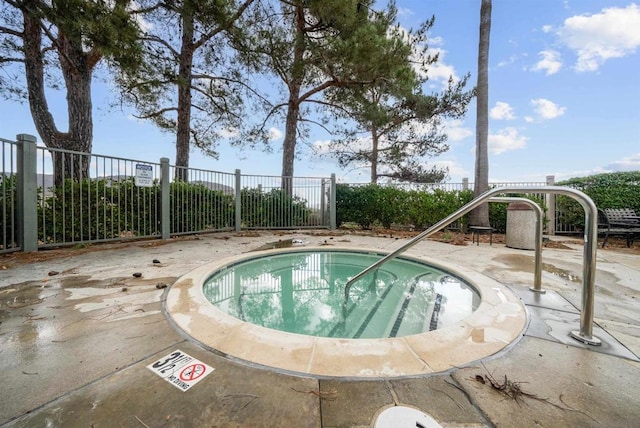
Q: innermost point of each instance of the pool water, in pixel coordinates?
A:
(303, 292)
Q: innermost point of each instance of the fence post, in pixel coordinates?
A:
(465, 183)
(27, 196)
(332, 203)
(165, 211)
(323, 202)
(238, 200)
(551, 207)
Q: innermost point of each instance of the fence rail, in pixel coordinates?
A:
(52, 197)
(8, 198)
(93, 198)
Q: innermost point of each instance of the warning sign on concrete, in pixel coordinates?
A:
(181, 370)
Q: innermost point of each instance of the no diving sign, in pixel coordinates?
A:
(180, 369)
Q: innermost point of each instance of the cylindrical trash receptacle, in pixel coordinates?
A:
(521, 226)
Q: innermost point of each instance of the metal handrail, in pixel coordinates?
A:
(585, 334)
(537, 269)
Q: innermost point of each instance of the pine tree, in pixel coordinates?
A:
(67, 37)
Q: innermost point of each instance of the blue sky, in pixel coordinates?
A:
(564, 95)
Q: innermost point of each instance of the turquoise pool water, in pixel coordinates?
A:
(302, 292)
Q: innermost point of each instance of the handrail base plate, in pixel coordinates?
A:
(584, 339)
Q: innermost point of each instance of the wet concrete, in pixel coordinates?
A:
(74, 346)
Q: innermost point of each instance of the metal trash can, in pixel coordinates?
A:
(521, 226)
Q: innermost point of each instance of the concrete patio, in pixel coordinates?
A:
(78, 331)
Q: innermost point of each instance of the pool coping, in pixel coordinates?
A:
(498, 322)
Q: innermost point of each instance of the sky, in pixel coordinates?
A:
(564, 97)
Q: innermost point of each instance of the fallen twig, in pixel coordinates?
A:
(323, 395)
(143, 424)
(253, 397)
(513, 390)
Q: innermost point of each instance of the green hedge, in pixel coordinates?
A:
(610, 190)
(83, 211)
(273, 209)
(498, 211)
(195, 207)
(102, 209)
(8, 214)
(373, 205)
(427, 208)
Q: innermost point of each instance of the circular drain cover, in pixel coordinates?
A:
(405, 417)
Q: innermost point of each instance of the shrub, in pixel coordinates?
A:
(8, 214)
(611, 190)
(429, 207)
(195, 207)
(498, 212)
(355, 204)
(80, 211)
(371, 204)
(272, 209)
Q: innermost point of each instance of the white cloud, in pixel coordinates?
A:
(324, 147)
(508, 61)
(455, 131)
(502, 111)
(436, 41)
(274, 134)
(546, 109)
(505, 140)
(403, 11)
(547, 28)
(550, 62)
(145, 26)
(456, 171)
(612, 33)
(439, 71)
(321, 147)
(630, 163)
(229, 132)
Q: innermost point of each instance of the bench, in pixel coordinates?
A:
(618, 221)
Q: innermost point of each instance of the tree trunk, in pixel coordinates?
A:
(184, 97)
(77, 69)
(374, 155)
(289, 144)
(480, 216)
(293, 108)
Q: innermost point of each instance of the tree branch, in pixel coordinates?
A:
(11, 31)
(162, 42)
(234, 18)
(11, 60)
(156, 113)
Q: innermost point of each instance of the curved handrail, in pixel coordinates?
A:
(585, 334)
(537, 269)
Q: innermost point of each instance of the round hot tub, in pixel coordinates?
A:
(286, 309)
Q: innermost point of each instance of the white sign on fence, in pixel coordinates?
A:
(144, 175)
(180, 370)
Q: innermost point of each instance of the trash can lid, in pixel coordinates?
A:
(519, 206)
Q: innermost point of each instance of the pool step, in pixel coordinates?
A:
(401, 313)
(378, 321)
